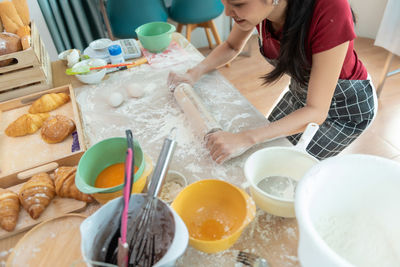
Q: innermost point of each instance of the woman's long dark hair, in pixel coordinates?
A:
(292, 58)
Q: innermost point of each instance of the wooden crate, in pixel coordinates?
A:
(22, 157)
(32, 72)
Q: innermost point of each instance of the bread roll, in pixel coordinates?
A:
(9, 43)
(56, 128)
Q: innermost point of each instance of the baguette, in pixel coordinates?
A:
(10, 17)
(9, 25)
(23, 10)
(25, 33)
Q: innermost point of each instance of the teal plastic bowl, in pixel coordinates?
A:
(102, 155)
(155, 36)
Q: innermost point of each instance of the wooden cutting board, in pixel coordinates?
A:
(58, 207)
(56, 242)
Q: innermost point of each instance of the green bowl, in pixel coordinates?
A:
(102, 155)
(155, 36)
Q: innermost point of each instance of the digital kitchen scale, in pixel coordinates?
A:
(130, 49)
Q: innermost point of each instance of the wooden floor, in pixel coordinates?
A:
(381, 139)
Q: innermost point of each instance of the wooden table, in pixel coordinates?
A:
(151, 117)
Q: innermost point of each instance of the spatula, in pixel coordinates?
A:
(85, 69)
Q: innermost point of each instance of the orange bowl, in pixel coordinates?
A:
(215, 213)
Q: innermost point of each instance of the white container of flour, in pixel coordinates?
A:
(347, 208)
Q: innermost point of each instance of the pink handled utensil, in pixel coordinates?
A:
(127, 193)
(123, 248)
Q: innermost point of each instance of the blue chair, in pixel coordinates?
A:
(193, 14)
(122, 17)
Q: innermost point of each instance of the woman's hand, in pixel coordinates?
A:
(174, 79)
(225, 145)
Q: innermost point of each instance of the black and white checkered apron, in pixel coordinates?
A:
(352, 110)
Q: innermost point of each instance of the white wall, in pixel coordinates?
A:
(369, 14)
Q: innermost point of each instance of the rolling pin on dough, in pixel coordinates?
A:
(200, 118)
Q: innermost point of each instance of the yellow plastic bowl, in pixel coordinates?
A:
(137, 187)
(215, 213)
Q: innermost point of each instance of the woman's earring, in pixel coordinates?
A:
(275, 2)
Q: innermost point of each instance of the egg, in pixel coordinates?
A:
(115, 99)
(135, 90)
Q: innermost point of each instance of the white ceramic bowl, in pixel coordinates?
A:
(100, 44)
(347, 208)
(94, 76)
(94, 227)
(291, 162)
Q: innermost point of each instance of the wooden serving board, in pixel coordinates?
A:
(22, 157)
(57, 207)
(55, 242)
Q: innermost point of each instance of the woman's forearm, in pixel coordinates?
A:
(291, 124)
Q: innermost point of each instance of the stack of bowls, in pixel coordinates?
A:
(104, 154)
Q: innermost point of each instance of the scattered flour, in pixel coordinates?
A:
(3, 256)
(151, 118)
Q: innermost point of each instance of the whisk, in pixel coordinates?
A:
(142, 241)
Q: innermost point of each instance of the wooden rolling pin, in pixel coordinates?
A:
(200, 118)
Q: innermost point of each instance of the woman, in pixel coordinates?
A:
(312, 42)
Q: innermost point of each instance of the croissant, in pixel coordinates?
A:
(49, 102)
(26, 124)
(64, 179)
(36, 194)
(9, 209)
